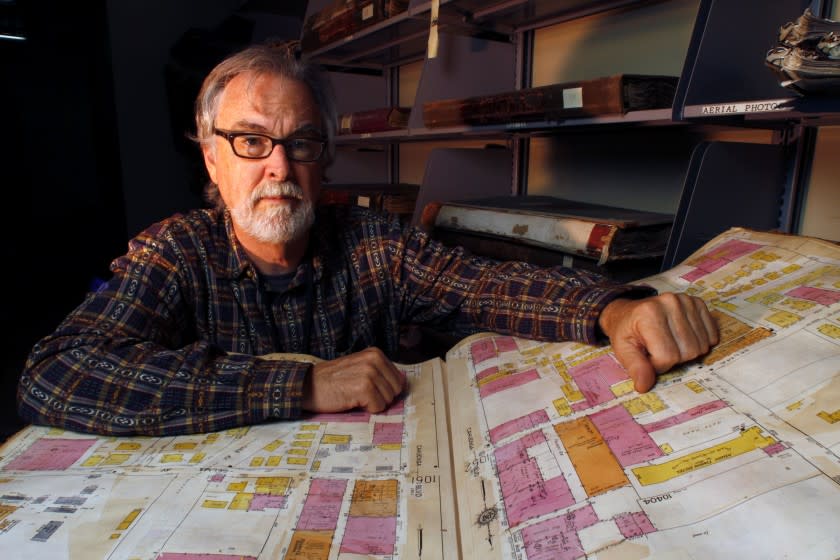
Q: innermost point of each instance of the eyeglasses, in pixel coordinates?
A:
(251, 145)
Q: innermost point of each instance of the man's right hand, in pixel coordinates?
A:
(366, 379)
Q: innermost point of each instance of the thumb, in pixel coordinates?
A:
(638, 365)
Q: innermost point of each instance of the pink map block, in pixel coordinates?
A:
(524, 491)
(775, 448)
(595, 377)
(508, 382)
(557, 538)
(261, 502)
(369, 535)
(201, 556)
(322, 505)
(690, 414)
(521, 424)
(51, 454)
(482, 350)
(634, 524)
(505, 344)
(219, 477)
(387, 432)
(719, 257)
(627, 440)
(817, 295)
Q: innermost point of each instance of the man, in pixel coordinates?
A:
(170, 343)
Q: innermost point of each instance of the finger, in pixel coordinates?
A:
(709, 324)
(389, 372)
(638, 366)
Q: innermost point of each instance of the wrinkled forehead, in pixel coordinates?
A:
(267, 96)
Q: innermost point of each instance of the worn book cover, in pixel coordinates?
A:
(601, 96)
(595, 231)
(508, 449)
(374, 120)
(396, 198)
(345, 17)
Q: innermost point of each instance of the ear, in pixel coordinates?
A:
(209, 152)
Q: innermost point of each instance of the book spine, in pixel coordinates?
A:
(579, 237)
(374, 120)
(338, 20)
(601, 96)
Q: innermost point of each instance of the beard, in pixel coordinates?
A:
(275, 224)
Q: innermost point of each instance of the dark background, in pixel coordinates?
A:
(96, 103)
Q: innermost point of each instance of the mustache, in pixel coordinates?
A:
(286, 189)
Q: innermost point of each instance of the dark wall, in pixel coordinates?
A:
(92, 110)
(64, 216)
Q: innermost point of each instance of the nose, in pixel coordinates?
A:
(277, 164)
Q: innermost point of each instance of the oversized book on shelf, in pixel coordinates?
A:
(508, 448)
(616, 94)
(597, 232)
(342, 18)
(374, 120)
(396, 198)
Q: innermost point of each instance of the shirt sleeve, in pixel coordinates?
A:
(466, 294)
(127, 361)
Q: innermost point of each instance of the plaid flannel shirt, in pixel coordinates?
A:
(170, 344)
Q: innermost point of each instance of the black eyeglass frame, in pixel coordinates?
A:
(230, 136)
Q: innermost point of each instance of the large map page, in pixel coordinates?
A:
(345, 486)
(556, 457)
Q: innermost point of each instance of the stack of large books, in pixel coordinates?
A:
(343, 18)
(621, 243)
(394, 198)
(807, 58)
(602, 96)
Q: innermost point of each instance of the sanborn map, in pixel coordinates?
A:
(511, 449)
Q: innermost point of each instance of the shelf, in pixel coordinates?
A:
(652, 117)
(404, 37)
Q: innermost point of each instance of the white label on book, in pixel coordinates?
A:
(367, 12)
(765, 106)
(363, 201)
(573, 98)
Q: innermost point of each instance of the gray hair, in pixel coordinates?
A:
(263, 59)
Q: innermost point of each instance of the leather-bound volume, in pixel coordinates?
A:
(345, 17)
(594, 231)
(602, 96)
(374, 120)
(395, 198)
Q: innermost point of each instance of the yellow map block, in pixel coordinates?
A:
(666, 448)
(335, 439)
(237, 486)
(211, 438)
(695, 386)
(297, 451)
(794, 406)
(93, 460)
(491, 378)
(5, 511)
(273, 460)
(214, 504)
(562, 407)
(309, 545)
(829, 329)
(572, 393)
(594, 463)
(310, 427)
(273, 485)
(172, 458)
(185, 446)
(389, 446)
(783, 318)
(116, 459)
(242, 501)
(273, 445)
(257, 461)
(374, 498)
(830, 417)
(128, 520)
(197, 458)
(749, 440)
(128, 446)
(635, 406)
(306, 435)
(622, 388)
(302, 443)
(296, 460)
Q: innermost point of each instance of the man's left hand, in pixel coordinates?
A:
(652, 335)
